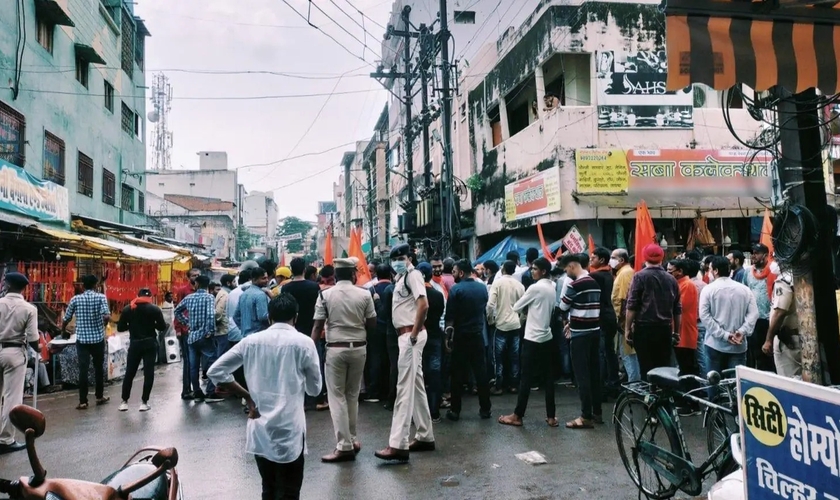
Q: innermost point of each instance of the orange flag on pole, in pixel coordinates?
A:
(545, 250)
(645, 233)
(591, 245)
(767, 231)
(355, 250)
(328, 252)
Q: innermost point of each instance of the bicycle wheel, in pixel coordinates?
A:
(719, 427)
(629, 417)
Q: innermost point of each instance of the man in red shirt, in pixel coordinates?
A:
(686, 349)
(182, 332)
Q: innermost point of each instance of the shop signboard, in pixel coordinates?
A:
(538, 194)
(790, 437)
(573, 241)
(632, 92)
(670, 172)
(25, 194)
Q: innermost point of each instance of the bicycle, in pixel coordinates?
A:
(668, 468)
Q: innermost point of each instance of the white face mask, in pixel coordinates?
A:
(613, 263)
(774, 268)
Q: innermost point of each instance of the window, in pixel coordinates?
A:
(127, 198)
(109, 187)
(521, 104)
(85, 168)
(141, 203)
(128, 34)
(109, 97)
(567, 77)
(53, 159)
(82, 71)
(45, 34)
(140, 50)
(127, 119)
(12, 135)
(136, 125)
(464, 17)
(495, 126)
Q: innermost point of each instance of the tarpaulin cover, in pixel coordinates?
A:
(517, 244)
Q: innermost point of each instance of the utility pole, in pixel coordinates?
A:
(450, 216)
(371, 201)
(424, 93)
(802, 174)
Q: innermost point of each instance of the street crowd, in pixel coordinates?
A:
(418, 335)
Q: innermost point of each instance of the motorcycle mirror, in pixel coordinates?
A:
(165, 454)
(714, 377)
(25, 417)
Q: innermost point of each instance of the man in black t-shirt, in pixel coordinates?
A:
(306, 294)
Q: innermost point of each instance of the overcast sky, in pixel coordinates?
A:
(266, 35)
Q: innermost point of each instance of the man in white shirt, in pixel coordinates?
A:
(280, 365)
(540, 299)
(513, 255)
(504, 293)
(408, 314)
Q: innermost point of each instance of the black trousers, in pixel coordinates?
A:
(281, 481)
(393, 348)
(468, 356)
(140, 350)
(85, 352)
(536, 365)
(377, 366)
(586, 362)
(653, 347)
(755, 356)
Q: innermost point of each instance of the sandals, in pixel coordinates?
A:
(103, 400)
(508, 420)
(580, 423)
(552, 422)
(82, 406)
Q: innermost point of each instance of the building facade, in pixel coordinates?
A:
(260, 214)
(73, 103)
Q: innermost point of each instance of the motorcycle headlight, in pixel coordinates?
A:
(52, 496)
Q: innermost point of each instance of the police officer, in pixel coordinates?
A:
(783, 340)
(19, 327)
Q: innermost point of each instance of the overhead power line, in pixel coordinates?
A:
(301, 76)
(327, 34)
(354, 37)
(290, 158)
(211, 98)
(365, 15)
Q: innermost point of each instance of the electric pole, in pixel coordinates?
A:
(451, 216)
(424, 93)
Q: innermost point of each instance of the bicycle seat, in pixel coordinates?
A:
(669, 378)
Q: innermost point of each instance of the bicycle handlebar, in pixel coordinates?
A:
(11, 488)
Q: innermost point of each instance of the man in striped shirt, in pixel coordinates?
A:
(582, 301)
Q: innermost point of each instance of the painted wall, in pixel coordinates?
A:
(210, 225)
(260, 213)
(51, 99)
(552, 138)
(221, 184)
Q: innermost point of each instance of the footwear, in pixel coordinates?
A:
(198, 397)
(103, 400)
(244, 403)
(436, 420)
(451, 415)
(11, 448)
(580, 423)
(512, 419)
(371, 400)
(513, 390)
(322, 406)
(187, 397)
(552, 422)
(496, 391)
(82, 406)
(421, 446)
(534, 389)
(392, 454)
(339, 456)
(445, 404)
(357, 447)
(388, 406)
(123, 406)
(145, 406)
(484, 414)
(213, 398)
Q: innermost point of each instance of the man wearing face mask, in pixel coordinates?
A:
(728, 311)
(408, 313)
(760, 280)
(783, 340)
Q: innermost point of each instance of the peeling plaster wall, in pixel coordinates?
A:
(553, 138)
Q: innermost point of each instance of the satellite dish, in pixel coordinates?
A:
(153, 116)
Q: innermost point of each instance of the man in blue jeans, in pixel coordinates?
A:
(503, 295)
(198, 312)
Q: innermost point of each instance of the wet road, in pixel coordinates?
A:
(479, 454)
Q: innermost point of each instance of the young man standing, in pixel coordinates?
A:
(530, 256)
(92, 314)
(18, 328)
(182, 332)
(686, 348)
(504, 293)
(377, 366)
(408, 313)
(198, 312)
(736, 261)
(582, 302)
(251, 314)
(281, 366)
(465, 325)
(760, 281)
(345, 314)
(601, 272)
(783, 340)
(220, 340)
(620, 263)
(540, 300)
(142, 319)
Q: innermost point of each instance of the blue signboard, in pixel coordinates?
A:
(790, 432)
(25, 194)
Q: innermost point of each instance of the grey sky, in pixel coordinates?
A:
(221, 35)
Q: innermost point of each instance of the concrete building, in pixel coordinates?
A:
(260, 214)
(213, 220)
(73, 101)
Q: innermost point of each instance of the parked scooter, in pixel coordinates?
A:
(148, 475)
(731, 487)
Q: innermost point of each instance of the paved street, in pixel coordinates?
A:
(478, 453)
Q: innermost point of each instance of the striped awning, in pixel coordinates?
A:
(756, 43)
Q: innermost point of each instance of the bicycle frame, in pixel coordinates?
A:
(680, 471)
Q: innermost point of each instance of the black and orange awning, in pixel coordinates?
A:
(759, 43)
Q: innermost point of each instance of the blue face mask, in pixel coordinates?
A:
(399, 266)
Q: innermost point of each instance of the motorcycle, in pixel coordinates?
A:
(731, 487)
(149, 474)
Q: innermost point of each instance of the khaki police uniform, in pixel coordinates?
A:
(787, 344)
(345, 307)
(18, 327)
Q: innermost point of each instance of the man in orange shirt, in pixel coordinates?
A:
(686, 348)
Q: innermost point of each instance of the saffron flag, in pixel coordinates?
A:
(328, 251)
(645, 233)
(355, 250)
(591, 245)
(767, 231)
(545, 250)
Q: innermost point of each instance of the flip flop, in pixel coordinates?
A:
(82, 406)
(505, 421)
(579, 423)
(552, 422)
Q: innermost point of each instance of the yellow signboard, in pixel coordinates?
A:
(601, 171)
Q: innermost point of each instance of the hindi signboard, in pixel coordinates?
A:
(538, 194)
(573, 241)
(601, 171)
(25, 194)
(290, 237)
(790, 434)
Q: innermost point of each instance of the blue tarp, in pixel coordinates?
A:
(517, 244)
